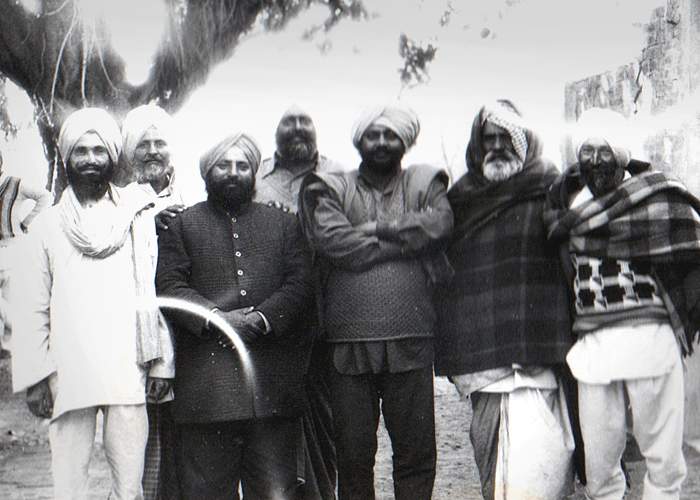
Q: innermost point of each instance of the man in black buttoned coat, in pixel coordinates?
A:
(247, 263)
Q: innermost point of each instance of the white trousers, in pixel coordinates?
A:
(657, 414)
(125, 431)
(691, 436)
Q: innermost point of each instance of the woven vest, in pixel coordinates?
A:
(611, 291)
(391, 300)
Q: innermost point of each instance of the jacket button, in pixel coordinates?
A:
(243, 293)
(235, 235)
(238, 254)
(233, 219)
(239, 272)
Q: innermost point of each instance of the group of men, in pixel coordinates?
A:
(300, 301)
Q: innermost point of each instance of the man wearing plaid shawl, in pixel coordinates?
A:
(504, 322)
(631, 246)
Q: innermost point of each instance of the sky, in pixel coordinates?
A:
(525, 50)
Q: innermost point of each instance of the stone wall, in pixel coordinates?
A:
(658, 93)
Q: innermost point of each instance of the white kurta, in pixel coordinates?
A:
(76, 317)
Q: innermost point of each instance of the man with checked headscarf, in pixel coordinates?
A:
(504, 322)
(630, 240)
(378, 233)
(87, 333)
(247, 264)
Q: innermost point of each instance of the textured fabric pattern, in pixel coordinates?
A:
(9, 190)
(500, 115)
(391, 297)
(256, 258)
(508, 302)
(607, 285)
(649, 217)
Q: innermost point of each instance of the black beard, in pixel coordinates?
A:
(90, 188)
(230, 198)
(297, 151)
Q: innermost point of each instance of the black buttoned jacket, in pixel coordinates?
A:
(257, 258)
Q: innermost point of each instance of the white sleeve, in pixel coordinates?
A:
(30, 298)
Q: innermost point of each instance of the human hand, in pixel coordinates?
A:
(246, 323)
(40, 399)
(163, 217)
(157, 388)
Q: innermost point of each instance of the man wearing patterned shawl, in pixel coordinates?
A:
(378, 232)
(248, 265)
(504, 323)
(87, 329)
(146, 138)
(630, 239)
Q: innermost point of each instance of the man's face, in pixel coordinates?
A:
(381, 148)
(231, 180)
(152, 157)
(89, 161)
(296, 137)
(500, 159)
(598, 166)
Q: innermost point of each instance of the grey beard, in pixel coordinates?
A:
(148, 173)
(500, 170)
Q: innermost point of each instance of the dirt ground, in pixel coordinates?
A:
(25, 458)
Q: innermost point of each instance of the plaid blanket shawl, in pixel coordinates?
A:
(649, 216)
(508, 301)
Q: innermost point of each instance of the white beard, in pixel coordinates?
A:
(500, 170)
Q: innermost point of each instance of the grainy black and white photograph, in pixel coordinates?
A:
(350, 249)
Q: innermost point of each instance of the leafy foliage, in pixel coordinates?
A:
(416, 58)
(64, 63)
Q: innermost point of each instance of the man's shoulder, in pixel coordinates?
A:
(423, 174)
(265, 211)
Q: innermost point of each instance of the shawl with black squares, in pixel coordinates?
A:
(649, 217)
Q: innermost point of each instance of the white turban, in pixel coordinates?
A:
(238, 140)
(138, 121)
(86, 120)
(402, 121)
(608, 125)
(506, 118)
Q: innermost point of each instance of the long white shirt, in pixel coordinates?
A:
(76, 318)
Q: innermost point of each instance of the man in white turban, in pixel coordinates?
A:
(87, 330)
(147, 133)
(247, 264)
(378, 232)
(630, 246)
(147, 138)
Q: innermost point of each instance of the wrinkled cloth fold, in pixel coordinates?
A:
(238, 140)
(401, 120)
(101, 241)
(650, 217)
(86, 120)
